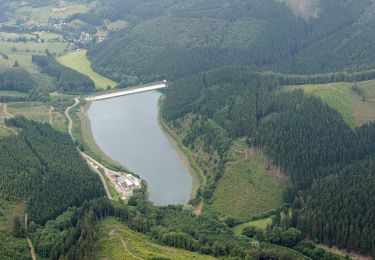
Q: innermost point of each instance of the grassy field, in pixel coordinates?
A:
(12, 94)
(117, 241)
(247, 188)
(78, 61)
(23, 51)
(39, 15)
(355, 109)
(261, 223)
(4, 131)
(116, 25)
(38, 112)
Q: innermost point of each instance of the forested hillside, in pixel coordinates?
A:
(41, 167)
(170, 39)
(16, 79)
(309, 140)
(75, 234)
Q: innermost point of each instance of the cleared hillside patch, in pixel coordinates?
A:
(78, 61)
(305, 8)
(355, 109)
(117, 241)
(261, 224)
(247, 188)
(9, 211)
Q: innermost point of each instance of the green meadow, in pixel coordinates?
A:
(78, 61)
(12, 51)
(38, 112)
(261, 224)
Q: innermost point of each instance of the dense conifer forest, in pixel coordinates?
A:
(41, 166)
(170, 39)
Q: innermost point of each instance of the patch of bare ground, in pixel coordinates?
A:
(307, 9)
(276, 172)
(50, 115)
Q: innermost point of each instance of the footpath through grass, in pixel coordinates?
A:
(78, 61)
(117, 241)
(39, 112)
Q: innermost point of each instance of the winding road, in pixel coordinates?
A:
(88, 159)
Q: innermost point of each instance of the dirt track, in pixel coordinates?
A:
(88, 159)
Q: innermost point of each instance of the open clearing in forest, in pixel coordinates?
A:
(78, 61)
(305, 8)
(247, 187)
(38, 112)
(5, 93)
(117, 241)
(355, 109)
(261, 224)
(8, 211)
(4, 130)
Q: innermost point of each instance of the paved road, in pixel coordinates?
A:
(84, 155)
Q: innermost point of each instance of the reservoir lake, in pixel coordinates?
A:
(126, 129)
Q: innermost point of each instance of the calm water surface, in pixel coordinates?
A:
(127, 130)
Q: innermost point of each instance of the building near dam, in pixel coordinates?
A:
(124, 183)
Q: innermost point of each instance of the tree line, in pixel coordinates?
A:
(73, 235)
(67, 79)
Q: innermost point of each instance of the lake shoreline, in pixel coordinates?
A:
(197, 183)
